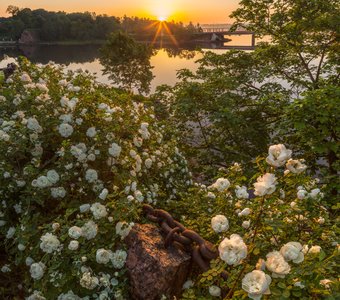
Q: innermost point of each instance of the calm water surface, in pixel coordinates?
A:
(166, 62)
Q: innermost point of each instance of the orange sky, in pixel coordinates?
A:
(202, 11)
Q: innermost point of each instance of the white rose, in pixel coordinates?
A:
(84, 207)
(103, 256)
(295, 166)
(241, 192)
(244, 212)
(301, 194)
(65, 130)
(103, 194)
(232, 250)
(73, 245)
(278, 155)
(37, 295)
(58, 192)
(98, 210)
(53, 176)
(148, 163)
(277, 265)
(221, 184)
(139, 196)
(25, 78)
(265, 185)
(4, 136)
(89, 282)
(314, 193)
(246, 224)
(69, 296)
(292, 251)
(29, 261)
(49, 243)
(75, 232)
(211, 195)
(91, 132)
(314, 249)
(256, 283)
(42, 182)
(118, 259)
(188, 284)
(89, 230)
(214, 291)
(10, 233)
(91, 175)
(33, 124)
(115, 150)
(219, 223)
(37, 270)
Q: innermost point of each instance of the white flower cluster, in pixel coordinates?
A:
(278, 155)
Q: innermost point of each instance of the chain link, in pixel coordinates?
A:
(9, 70)
(188, 240)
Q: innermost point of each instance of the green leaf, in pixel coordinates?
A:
(2, 76)
(286, 293)
(322, 255)
(281, 285)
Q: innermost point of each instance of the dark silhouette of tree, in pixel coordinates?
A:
(61, 26)
(127, 62)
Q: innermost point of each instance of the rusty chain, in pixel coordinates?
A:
(9, 70)
(188, 240)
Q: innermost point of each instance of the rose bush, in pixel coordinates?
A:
(279, 236)
(77, 160)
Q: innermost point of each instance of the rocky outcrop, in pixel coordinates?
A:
(153, 269)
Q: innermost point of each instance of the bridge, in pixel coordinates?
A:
(220, 32)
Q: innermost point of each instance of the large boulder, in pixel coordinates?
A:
(153, 269)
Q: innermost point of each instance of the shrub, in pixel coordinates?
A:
(76, 160)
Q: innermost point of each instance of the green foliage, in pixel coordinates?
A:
(275, 220)
(303, 34)
(127, 62)
(314, 120)
(226, 104)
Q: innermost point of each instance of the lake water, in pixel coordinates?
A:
(166, 62)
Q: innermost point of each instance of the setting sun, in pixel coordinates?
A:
(161, 18)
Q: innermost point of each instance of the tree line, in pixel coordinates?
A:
(62, 26)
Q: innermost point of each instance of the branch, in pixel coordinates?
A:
(306, 67)
(320, 64)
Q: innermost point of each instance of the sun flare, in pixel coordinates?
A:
(161, 18)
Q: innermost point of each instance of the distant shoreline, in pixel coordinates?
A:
(95, 42)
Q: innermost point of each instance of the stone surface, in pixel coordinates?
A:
(153, 269)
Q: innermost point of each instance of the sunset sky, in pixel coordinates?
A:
(202, 11)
